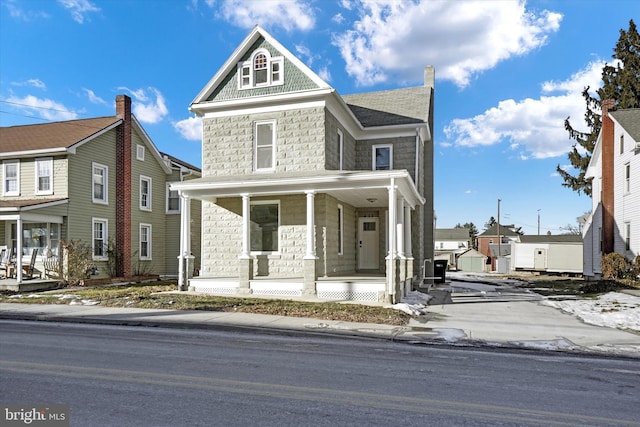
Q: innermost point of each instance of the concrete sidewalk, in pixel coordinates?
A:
(511, 324)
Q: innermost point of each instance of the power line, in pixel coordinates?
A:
(42, 108)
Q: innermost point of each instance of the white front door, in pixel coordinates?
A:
(368, 244)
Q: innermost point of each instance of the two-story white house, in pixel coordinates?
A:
(614, 223)
(305, 191)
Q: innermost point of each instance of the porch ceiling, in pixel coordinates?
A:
(357, 188)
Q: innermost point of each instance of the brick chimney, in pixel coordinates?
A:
(608, 224)
(123, 187)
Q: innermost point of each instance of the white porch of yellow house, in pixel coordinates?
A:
(393, 191)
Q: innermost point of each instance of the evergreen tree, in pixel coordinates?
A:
(621, 82)
(473, 232)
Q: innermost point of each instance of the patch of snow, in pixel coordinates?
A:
(84, 302)
(611, 310)
(559, 344)
(414, 303)
(449, 334)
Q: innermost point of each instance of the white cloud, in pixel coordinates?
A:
(93, 98)
(25, 15)
(338, 18)
(31, 82)
(190, 128)
(325, 74)
(79, 9)
(288, 14)
(148, 105)
(460, 38)
(535, 127)
(43, 107)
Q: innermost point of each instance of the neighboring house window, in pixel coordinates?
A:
(261, 70)
(11, 177)
(621, 144)
(265, 225)
(382, 157)
(145, 193)
(340, 230)
(140, 152)
(173, 201)
(100, 181)
(340, 148)
(627, 178)
(145, 241)
(44, 176)
(627, 236)
(264, 137)
(99, 242)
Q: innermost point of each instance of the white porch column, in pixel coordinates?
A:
(400, 228)
(392, 232)
(19, 249)
(246, 227)
(185, 242)
(408, 251)
(311, 226)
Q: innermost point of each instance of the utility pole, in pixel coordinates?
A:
(538, 222)
(499, 238)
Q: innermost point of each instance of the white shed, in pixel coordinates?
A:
(548, 253)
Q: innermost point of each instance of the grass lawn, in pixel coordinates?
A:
(151, 295)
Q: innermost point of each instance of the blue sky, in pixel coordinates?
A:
(507, 75)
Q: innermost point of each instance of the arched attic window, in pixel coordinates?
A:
(261, 70)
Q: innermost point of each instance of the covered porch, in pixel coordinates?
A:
(384, 200)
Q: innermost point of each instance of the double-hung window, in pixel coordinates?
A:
(382, 157)
(264, 145)
(11, 178)
(145, 242)
(627, 236)
(627, 178)
(99, 241)
(145, 193)
(173, 200)
(44, 176)
(99, 184)
(265, 226)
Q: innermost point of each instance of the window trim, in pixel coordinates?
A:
(268, 202)
(172, 211)
(373, 156)
(140, 149)
(105, 238)
(5, 192)
(38, 191)
(256, 124)
(105, 199)
(248, 80)
(340, 149)
(148, 206)
(627, 178)
(149, 242)
(622, 144)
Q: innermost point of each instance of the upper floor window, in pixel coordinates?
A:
(340, 148)
(100, 180)
(145, 193)
(11, 177)
(627, 178)
(261, 70)
(173, 201)
(44, 176)
(140, 152)
(264, 145)
(382, 157)
(621, 144)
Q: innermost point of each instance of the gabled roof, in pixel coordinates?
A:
(230, 65)
(391, 107)
(180, 162)
(629, 119)
(547, 238)
(455, 234)
(505, 230)
(56, 136)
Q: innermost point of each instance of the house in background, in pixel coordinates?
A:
(100, 181)
(548, 253)
(495, 242)
(614, 223)
(450, 243)
(306, 192)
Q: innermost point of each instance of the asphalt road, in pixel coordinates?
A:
(137, 376)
